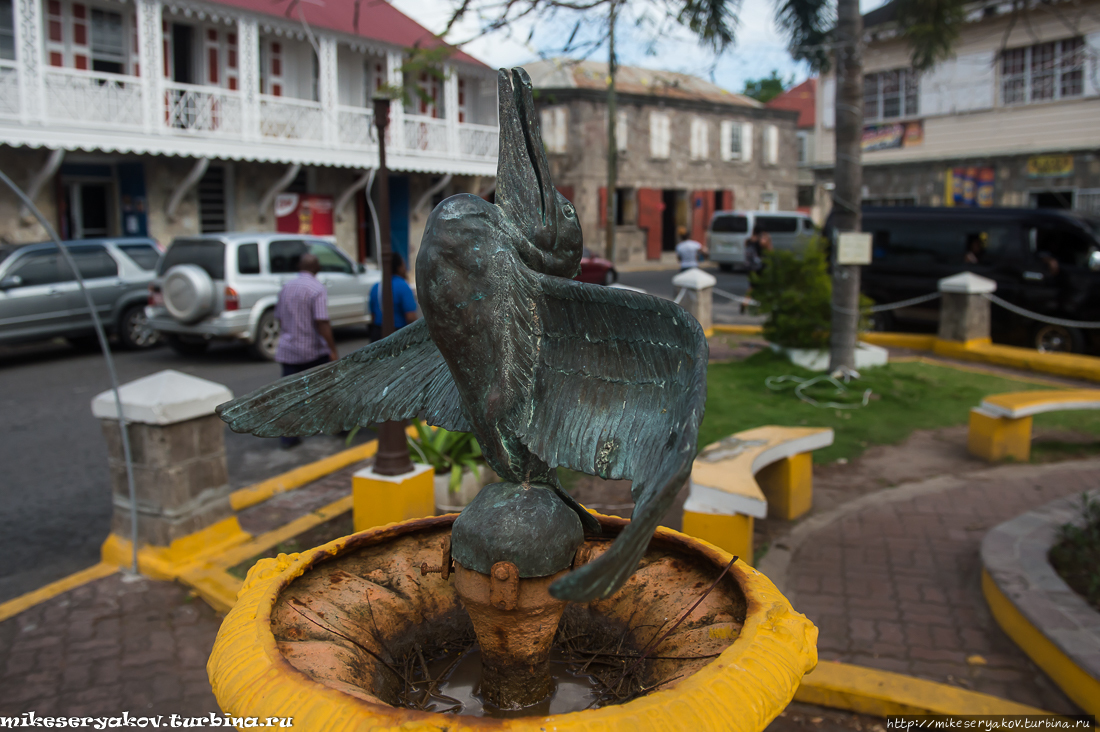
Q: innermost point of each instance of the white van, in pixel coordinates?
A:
(789, 230)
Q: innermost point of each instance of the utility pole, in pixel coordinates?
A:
(392, 457)
(849, 181)
(612, 142)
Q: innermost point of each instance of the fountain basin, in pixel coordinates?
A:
(310, 635)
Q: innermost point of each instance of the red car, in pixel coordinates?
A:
(596, 269)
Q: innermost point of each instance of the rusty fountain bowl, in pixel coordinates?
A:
(310, 633)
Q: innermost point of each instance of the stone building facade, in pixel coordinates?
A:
(686, 149)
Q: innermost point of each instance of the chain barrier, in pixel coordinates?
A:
(747, 301)
(890, 305)
(680, 295)
(1041, 318)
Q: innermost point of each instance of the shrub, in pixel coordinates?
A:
(795, 292)
(447, 452)
(1076, 556)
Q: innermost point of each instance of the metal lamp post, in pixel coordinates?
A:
(393, 452)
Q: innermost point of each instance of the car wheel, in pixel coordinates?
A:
(267, 337)
(187, 346)
(1058, 339)
(133, 329)
(610, 276)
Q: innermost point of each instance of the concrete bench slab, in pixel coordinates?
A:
(1001, 426)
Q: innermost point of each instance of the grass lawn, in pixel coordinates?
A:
(906, 396)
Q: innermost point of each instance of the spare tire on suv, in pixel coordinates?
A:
(188, 293)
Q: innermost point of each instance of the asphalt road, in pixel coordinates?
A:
(54, 486)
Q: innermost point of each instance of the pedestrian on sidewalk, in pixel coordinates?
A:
(755, 248)
(404, 302)
(689, 251)
(305, 337)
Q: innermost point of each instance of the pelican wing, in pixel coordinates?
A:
(618, 386)
(399, 377)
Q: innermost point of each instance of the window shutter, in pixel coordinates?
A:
(603, 206)
(546, 123)
(828, 103)
(658, 135)
(746, 141)
(771, 144)
(1092, 66)
(622, 129)
(726, 140)
(560, 126)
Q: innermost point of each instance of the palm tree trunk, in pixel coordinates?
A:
(612, 142)
(848, 179)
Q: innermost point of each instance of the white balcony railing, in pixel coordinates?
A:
(425, 134)
(202, 110)
(291, 120)
(93, 98)
(9, 89)
(478, 141)
(356, 127)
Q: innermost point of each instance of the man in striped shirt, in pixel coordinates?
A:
(305, 338)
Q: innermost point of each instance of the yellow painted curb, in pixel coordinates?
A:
(169, 562)
(883, 694)
(739, 329)
(914, 341)
(219, 588)
(1072, 365)
(260, 492)
(1083, 689)
(744, 688)
(25, 602)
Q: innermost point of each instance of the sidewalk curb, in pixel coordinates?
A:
(26, 601)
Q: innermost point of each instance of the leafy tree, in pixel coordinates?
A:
(766, 89)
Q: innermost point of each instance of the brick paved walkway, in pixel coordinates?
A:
(107, 647)
(896, 584)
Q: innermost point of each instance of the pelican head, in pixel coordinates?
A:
(550, 234)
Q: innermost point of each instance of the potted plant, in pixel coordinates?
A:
(795, 292)
(460, 469)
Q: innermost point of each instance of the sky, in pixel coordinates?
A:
(758, 50)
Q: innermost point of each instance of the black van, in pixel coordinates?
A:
(1044, 260)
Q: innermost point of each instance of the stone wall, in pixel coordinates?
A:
(21, 164)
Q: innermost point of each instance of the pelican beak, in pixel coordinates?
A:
(524, 189)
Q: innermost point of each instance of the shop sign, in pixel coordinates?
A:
(303, 214)
(971, 187)
(892, 136)
(1049, 166)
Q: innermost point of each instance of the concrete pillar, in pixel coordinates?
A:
(178, 449)
(698, 298)
(964, 313)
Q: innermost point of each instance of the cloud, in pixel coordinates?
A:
(759, 49)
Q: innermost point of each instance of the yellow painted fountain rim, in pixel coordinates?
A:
(743, 689)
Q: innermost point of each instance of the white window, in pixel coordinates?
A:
(891, 94)
(769, 201)
(659, 135)
(803, 139)
(1045, 71)
(771, 145)
(621, 130)
(108, 42)
(699, 142)
(736, 142)
(554, 126)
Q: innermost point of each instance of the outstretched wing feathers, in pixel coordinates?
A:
(397, 378)
(620, 384)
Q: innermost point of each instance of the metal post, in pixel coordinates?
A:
(393, 453)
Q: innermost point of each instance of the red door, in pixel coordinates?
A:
(650, 210)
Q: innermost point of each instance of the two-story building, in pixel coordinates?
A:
(176, 117)
(686, 148)
(1009, 120)
(802, 98)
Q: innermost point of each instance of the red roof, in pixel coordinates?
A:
(378, 20)
(799, 99)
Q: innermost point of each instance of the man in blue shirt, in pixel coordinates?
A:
(404, 302)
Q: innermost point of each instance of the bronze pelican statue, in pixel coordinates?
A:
(544, 370)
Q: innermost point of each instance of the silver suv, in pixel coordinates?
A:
(225, 286)
(41, 299)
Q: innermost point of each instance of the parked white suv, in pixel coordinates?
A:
(225, 286)
(790, 231)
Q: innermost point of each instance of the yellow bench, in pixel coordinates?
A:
(766, 471)
(1001, 426)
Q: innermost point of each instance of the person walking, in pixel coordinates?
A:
(756, 246)
(688, 251)
(305, 334)
(404, 302)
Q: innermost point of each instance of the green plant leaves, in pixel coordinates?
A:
(447, 452)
